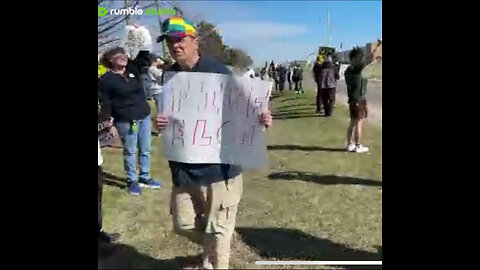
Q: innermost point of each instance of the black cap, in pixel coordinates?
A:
(153, 56)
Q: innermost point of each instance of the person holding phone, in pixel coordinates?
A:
(121, 89)
(357, 99)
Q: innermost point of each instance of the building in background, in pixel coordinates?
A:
(368, 48)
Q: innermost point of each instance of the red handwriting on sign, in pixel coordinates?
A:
(178, 132)
(204, 141)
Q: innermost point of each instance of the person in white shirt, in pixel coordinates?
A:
(154, 81)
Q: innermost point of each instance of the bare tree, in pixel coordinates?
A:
(109, 26)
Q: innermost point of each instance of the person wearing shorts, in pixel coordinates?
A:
(357, 89)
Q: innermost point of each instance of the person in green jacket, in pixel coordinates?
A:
(357, 90)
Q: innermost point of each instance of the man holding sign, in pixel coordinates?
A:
(205, 196)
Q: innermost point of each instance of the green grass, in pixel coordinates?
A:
(373, 71)
(313, 202)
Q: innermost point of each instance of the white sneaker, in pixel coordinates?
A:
(351, 147)
(361, 149)
(206, 264)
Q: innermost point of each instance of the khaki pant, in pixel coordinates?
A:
(212, 211)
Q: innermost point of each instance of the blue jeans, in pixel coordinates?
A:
(141, 138)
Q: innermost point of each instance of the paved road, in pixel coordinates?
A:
(374, 96)
(374, 92)
(374, 100)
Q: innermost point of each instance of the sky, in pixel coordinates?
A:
(288, 30)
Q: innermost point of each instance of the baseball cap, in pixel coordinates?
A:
(153, 56)
(177, 27)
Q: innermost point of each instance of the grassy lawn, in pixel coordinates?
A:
(373, 71)
(313, 202)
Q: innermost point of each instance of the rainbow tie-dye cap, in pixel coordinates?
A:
(177, 27)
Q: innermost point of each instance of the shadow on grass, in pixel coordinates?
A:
(121, 256)
(114, 181)
(297, 106)
(294, 116)
(274, 96)
(277, 112)
(323, 179)
(304, 148)
(294, 98)
(292, 244)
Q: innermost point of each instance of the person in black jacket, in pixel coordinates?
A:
(122, 92)
(263, 72)
(327, 82)
(297, 78)
(289, 77)
(282, 76)
(272, 73)
(316, 74)
(205, 197)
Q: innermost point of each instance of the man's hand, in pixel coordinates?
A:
(266, 118)
(113, 132)
(161, 121)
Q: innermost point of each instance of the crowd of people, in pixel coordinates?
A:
(326, 73)
(126, 87)
(281, 74)
(123, 101)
